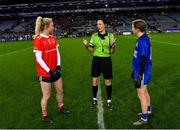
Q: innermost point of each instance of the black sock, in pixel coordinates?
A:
(109, 91)
(94, 89)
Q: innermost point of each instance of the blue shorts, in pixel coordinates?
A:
(146, 77)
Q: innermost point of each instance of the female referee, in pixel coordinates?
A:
(48, 65)
(102, 44)
(142, 65)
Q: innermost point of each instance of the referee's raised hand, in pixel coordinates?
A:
(113, 45)
(85, 42)
(113, 42)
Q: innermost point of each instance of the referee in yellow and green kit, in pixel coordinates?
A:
(102, 44)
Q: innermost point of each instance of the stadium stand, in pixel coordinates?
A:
(79, 19)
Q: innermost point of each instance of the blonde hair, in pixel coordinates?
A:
(41, 23)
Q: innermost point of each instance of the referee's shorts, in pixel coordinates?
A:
(101, 65)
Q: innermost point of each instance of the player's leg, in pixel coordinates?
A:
(46, 92)
(143, 99)
(148, 102)
(59, 92)
(141, 92)
(149, 108)
(59, 96)
(147, 76)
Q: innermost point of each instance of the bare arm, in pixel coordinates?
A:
(86, 44)
(113, 45)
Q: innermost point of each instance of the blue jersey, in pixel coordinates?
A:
(143, 48)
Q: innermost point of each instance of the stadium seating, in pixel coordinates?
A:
(77, 23)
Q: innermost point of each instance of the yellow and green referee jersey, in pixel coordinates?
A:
(101, 46)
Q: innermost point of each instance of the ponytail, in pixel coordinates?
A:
(40, 24)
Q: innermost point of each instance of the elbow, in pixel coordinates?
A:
(38, 60)
(89, 51)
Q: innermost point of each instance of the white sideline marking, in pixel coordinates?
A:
(13, 52)
(100, 113)
(162, 42)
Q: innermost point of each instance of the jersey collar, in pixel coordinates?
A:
(42, 35)
(102, 36)
(142, 35)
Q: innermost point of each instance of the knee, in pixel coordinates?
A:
(95, 82)
(107, 82)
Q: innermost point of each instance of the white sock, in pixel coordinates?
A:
(95, 99)
(108, 101)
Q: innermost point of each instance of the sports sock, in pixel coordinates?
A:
(149, 108)
(108, 101)
(60, 106)
(144, 117)
(44, 113)
(95, 90)
(109, 91)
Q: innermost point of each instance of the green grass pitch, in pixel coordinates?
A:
(20, 93)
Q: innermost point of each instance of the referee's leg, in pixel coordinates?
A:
(108, 84)
(95, 73)
(95, 84)
(107, 74)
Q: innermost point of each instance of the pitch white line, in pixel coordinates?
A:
(100, 113)
(168, 43)
(162, 42)
(13, 52)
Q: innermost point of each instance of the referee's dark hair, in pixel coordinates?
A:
(103, 19)
(140, 24)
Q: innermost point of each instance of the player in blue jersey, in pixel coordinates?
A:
(141, 65)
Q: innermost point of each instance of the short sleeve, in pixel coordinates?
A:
(111, 36)
(37, 45)
(91, 44)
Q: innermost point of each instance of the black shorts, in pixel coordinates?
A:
(48, 79)
(101, 65)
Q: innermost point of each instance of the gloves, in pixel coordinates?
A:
(58, 68)
(51, 73)
(138, 82)
(55, 75)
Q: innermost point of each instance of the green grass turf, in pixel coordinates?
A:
(20, 93)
